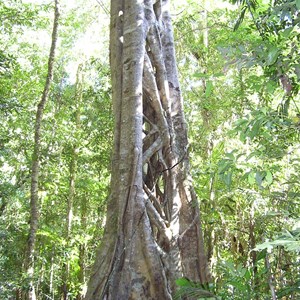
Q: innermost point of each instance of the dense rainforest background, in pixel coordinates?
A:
(239, 68)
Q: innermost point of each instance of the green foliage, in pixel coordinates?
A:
(237, 281)
(23, 65)
(15, 13)
(187, 288)
(290, 240)
(277, 54)
(244, 136)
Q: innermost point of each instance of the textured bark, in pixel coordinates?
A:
(153, 234)
(34, 205)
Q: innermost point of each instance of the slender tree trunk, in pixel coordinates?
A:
(34, 205)
(72, 181)
(252, 244)
(208, 141)
(82, 249)
(153, 234)
(51, 279)
(270, 278)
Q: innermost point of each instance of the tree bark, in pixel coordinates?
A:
(34, 205)
(270, 278)
(153, 234)
(82, 249)
(72, 181)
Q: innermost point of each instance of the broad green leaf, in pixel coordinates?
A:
(252, 154)
(298, 4)
(251, 178)
(183, 282)
(230, 155)
(228, 178)
(297, 71)
(272, 55)
(241, 270)
(240, 122)
(243, 136)
(224, 165)
(269, 177)
(289, 244)
(257, 123)
(259, 176)
(209, 88)
(271, 86)
(265, 245)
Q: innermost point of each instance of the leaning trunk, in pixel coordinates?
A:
(34, 205)
(153, 234)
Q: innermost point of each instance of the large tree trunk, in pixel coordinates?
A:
(153, 234)
(34, 205)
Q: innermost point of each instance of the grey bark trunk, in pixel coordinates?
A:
(153, 234)
(72, 180)
(34, 205)
(82, 249)
(271, 280)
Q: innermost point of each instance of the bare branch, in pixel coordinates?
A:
(155, 201)
(158, 222)
(151, 150)
(100, 2)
